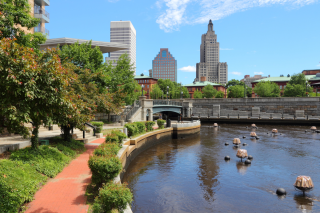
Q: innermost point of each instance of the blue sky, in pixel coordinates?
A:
(268, 37)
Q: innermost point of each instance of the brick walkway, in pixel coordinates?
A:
(65, 193)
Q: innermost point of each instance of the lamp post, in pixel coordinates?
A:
(181, 95)
(225, 90)
(162, 94)
(167, 92)
(180, 90)
(306, 88)
(142, 88)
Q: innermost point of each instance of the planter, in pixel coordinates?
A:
(98, 129)
(99, 135)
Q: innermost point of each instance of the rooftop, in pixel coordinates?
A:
(201, 83)
(142, 77)
(105, 47)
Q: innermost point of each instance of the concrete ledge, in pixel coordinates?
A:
(99, 135)
(233, 117)
(301, 118)
(254, 118)
(84, 140)
(314, 119)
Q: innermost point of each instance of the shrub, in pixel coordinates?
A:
(66, 150)
(107, 149)
(149, 125)
(98, 125)
(104, 168)
(112, 196)
(112, 138)
(18, 184)
(132, 129)
(141, 127)
(160, 123)
(73, 144)
(47, 160)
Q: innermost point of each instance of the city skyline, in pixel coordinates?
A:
(271, 39)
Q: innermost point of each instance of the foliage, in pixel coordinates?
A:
(160, 123)
(66, 150)
(156, 92)
(47, 160)
(208, 91)
(112, 138)
(75, 145)
(141, 127)
(197, 94)
(267, 89)
(104, 168)
(174, 89)
(149, 125)
(299, 78)
(98, 125)
(120, 136)
(112, 196)
(236, 91)
(132, 129)
(107, 149)
(234, 82)
(219, 94)
(15, 13)
(18, 184)
(295, 90)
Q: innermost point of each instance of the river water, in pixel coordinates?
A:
(191, 175)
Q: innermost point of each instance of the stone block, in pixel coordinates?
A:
(99, 135)
(300, 118)
(299, 113)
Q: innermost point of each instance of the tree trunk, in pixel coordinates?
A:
(34, 137)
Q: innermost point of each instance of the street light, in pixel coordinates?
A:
(181, 95)
(307, 88)
(142, 88)
(167, 92)
(225, 90)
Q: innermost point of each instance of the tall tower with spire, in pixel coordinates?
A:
(210, 66)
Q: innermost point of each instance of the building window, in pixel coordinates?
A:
(280, 86)
(164, 53)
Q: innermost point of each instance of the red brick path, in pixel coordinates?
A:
(65, 193)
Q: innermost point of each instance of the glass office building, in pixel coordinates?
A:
(164, 66)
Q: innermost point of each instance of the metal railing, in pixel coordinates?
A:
(164, 102)
(42, 30)
(133, 110)
(39, 10)
(93, 127)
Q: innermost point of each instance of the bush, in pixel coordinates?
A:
(98, 125)
(112, 196)
(104, 168)
(18, 184)
(132, 129)
(46, 160)
(73, 144)
(107, 149)
(149, 125)
(141, 127)
(98, 129)
(112, 138)
(160, 123)
(66, 150)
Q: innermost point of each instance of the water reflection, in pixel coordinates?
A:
(303, 203)
(242, 167)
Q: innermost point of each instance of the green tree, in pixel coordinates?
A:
(219, 94)
(295, 90)
(208, 91)
(15, 15)
(234, 82)
(197, 94)
(156, 92)
(299, 78)
(185, 92)
(236, 91)
(267, 89)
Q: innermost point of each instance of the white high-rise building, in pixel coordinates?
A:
(123, 32)
(210, 65)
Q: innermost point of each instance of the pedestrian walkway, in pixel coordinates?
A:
(66, 192)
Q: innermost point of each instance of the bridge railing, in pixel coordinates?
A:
(164, 102)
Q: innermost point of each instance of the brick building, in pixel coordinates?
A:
(148, 83)
(199, 85)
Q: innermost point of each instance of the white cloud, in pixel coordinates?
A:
(188, 69)
(318, 65)
(258, 73)
(177, 13)
(226, 49)
(236, 73)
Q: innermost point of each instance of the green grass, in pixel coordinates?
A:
(108, 131)
(18, 184)
(46, 160)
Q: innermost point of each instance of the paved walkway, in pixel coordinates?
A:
(65, 193)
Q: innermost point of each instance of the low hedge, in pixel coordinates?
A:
(18, 184)
(149, 125)
(160, 123)
(112, 196)
(116, 137)
(141, 127)
(46, 160)
(132, 129)
(107, 149)
(98, 125)
(104, 168)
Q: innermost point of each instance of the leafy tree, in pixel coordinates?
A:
(33, 87)
(299, 78)
(236, 91)
(163, 83)
(14, 16)
(156, 92)
(234, 82)
(267, 89)
(295, 90)
(185, 92)
(219, 94)
(197, 94)
(208, 91)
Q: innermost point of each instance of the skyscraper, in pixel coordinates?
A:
(123, 32)
(164, 66)
(209, 66)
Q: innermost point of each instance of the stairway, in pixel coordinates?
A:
(78, 135)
